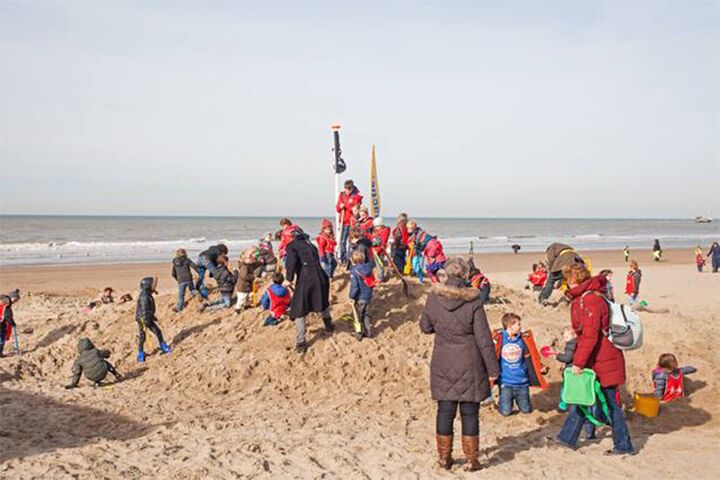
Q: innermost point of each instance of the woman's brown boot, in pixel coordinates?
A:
(471, 449)
(444, 448)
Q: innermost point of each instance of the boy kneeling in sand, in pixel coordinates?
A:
(92, 363)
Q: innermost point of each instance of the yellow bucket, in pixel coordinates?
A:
(646, 405)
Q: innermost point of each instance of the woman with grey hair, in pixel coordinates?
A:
(463, 362)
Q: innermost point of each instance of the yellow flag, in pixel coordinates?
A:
(374, 187)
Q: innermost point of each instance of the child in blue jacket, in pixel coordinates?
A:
(275, 299)
(514, 379)
(362, 283)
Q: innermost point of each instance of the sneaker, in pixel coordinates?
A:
(164, 347)
(359, 336)
(141, 357)
(613, 452)
(301, 348)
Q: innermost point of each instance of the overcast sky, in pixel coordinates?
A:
(483, 109)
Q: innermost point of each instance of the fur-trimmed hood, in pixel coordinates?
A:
(453, 296)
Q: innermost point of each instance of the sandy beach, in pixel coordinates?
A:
(234, 400)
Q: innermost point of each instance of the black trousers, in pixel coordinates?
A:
(446, 412)
(547, 290)
(152, 326)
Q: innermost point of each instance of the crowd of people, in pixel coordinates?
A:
(468, 359)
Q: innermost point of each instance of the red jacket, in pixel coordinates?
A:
(590, 320)
(365, 225)
(400, 235)
(380, 237)
(286, 237)
(434, 251)
(346, 203)
(538, 277)
(326, 245)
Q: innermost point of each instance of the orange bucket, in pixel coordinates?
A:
(647, 405)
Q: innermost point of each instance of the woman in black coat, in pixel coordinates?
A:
(312, 286)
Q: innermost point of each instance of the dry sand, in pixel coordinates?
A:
(234, 401)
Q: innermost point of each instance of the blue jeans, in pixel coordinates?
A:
(520, 395)
(225, 301)
(632, 299)
(399, 255)
(329, 264)
(204, 264)
(621, 436)
(485, 294)
(182, 286)
(344, 234)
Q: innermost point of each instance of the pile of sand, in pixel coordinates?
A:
(235, 400)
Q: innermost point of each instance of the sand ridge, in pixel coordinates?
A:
(233, 400)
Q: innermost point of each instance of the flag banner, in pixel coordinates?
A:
(374, 187)
(339, 166)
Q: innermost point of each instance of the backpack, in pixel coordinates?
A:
(370, 280)
(625, 330)
(673, 387)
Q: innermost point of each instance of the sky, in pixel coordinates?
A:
(477, 108)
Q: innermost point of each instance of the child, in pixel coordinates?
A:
(145, 316)
(286, 236)
(514, 380)
(181, 271)
(226, 282)
(266, 257)
(107, 296)
(360, 243)
(626, 252)
(668, 378)
(566, 357)
(362, 282)
(610, 291)
(7, 319)
(434, 259)
(632, 282)
(245, 279)
(365, 222)
(399, 242)
(538, 277)
(92, 363)
(699, 260)
(326, 247)
(479, 280)
(275, 299)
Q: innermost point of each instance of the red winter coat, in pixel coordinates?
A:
(326, 245)
(364, 224)
(434, 251)
(538, 277)
(590, 320)
(400, 235)
(346, 203)
(380, 237)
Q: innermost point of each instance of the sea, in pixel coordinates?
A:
(43, 240)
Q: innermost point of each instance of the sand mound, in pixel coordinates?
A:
(234, 399)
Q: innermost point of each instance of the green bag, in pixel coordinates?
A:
(579, 389)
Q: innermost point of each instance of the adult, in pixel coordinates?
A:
(559, 256)
(657, 250)
(207, 261)
(463, 360)
(399, 242)
(348, 198)
(714, 252)
(312, 286)
(590, 319)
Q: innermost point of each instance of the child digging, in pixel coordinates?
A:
(514, 379)
(566, 357)
(362, 282)
(92, 363)
(145, 316)
(275, 300)
(226, 282)
(668, 380)
(181, 271)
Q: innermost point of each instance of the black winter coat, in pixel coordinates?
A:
(181, 269)
(90, 361)
(312, 286)
(225, 280)
(146, 303)
(463, 356)
(212, 253)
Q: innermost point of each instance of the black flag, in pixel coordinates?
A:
(339, 166)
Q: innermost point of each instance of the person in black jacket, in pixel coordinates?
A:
(312, 286)
(226, 282)
(145, 316)
(91, 361)
(7, 319)
(181, 272)
(207, 261)
(360, 243)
